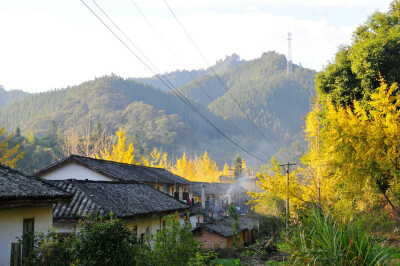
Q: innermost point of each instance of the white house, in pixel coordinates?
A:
(85, 168)
(26, 205)
(140, 206)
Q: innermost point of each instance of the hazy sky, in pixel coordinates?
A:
(48, 44)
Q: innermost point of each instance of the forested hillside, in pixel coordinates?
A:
(274, 100)
(7, 97)
(182, 77)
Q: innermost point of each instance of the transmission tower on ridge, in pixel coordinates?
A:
(289, 55)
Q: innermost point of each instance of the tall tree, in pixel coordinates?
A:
(8, 155)
(237, 166)
(120, 153)
(374, 53)
(364, 144)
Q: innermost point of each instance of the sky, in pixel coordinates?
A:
(52, 44)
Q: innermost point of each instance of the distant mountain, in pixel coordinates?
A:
(7, 97)
(181, 77)
(274, 100)
(157, 117)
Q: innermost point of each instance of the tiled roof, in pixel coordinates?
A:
(16, 185)
(124, 199)
(121, 171)
(224, 226)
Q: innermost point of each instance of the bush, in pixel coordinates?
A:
(319, 239)
(51, 249)
(173, 244)
(105, 242)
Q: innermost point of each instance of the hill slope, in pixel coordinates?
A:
(7, 97)
(273, 100)
(182, 77)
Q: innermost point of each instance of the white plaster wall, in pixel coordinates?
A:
(66, 227)
(11, 226)
(193, 220)
(74, 171)
(154, 223)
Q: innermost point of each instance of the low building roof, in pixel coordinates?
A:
(124, 199)
(224, 226)
(16, 187)
(121, 171)
(210, 188)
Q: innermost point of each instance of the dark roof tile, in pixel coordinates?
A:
(224, 226)
(124, 199)
(16, 185)
(122, 171)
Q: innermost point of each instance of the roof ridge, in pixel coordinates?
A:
(109, 161)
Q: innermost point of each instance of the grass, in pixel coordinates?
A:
(321, 240)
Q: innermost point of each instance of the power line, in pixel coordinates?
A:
(177, 93)
(215, 73)
(190, 74)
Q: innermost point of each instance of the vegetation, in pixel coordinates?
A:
(155, 118)
(319, 239)
(349, 176)
(110, 242)
(9, 155)
(358, 68)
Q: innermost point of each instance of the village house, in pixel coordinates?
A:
(26, 206)
(85, 168)
(220, 233)
(212, 199)
(140, 206)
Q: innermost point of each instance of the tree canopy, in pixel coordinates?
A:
(374, 52)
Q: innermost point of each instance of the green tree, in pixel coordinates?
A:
(174, 244)
(105, 242)
(374, 53)
(237, 166)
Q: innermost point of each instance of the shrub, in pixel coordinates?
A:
(50, 249)
(105, 242)
(173, 244)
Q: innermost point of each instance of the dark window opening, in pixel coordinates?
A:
(27, 237)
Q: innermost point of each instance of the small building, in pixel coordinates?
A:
(85, 168)
(212, 199)
(26, 206)
(220, 233)
(140, 206)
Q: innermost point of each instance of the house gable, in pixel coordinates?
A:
(73, 170)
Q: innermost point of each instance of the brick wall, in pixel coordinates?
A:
(211, 240)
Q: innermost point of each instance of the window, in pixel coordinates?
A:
(134, 230)
(142, 238)
(27, 237)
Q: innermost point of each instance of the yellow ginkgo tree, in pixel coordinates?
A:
(9, 156)
(119, 153)
(364, 146)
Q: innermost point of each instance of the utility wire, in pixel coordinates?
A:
(172, 88)
(191, 75)
(215, 73)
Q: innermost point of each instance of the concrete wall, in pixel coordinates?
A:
(74, 171)
(11, 226)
